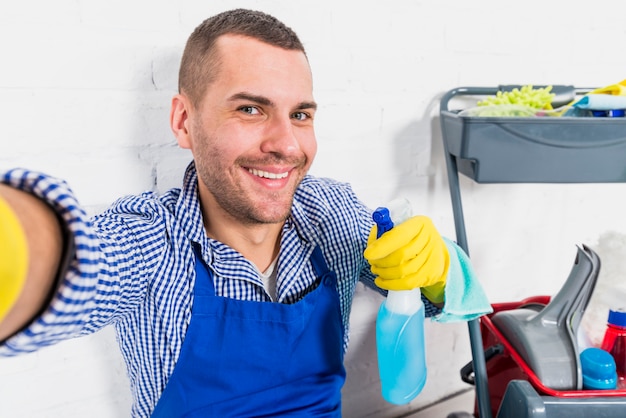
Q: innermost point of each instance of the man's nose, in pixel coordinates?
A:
(280, 137)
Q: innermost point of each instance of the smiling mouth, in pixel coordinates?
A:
(267, 174)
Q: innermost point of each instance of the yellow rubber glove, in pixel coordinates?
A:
(618, 89)
(13, 258)
(410, 255)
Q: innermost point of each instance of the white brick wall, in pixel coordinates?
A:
(84, 94)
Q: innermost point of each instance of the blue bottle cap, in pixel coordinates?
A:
(598, 367)
(617, 318)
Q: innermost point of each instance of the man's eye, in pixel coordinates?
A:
(301, 116)
(251, 110)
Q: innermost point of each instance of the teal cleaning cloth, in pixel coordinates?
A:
(465, 298)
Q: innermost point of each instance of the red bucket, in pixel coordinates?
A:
(508, 364)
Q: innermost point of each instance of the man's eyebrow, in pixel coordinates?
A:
(307, 105)
(251, 98)
(267, 102)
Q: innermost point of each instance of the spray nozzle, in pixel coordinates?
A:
(397, 211)
(383, 221)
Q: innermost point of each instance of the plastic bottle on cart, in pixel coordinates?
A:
(400, 327)
(615, 343)
(615, 113)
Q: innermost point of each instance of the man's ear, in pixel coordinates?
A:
(180, 120)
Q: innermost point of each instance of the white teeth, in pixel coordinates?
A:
(267, 175)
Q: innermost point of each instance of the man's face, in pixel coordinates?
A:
(252, 135)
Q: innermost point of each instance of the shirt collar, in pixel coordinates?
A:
(188, 210)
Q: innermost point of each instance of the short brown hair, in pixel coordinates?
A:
(200, 63)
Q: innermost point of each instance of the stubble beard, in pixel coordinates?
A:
(221, 182)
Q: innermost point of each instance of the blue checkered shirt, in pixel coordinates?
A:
(133, 268)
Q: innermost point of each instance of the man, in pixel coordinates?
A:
(230, 296)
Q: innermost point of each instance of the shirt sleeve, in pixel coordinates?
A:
(88, 292)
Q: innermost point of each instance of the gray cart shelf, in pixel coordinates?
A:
(529, 150)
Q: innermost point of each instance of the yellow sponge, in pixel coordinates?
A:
(13, 258)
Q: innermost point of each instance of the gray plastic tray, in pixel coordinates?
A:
(521, 400)
(533, 150)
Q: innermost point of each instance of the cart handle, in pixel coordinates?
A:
(467, 371)
(564, 94)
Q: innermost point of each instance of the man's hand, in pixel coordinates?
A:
(13, 258)
(31, 244)
(410, 255)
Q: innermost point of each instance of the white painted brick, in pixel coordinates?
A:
(136, 16)
(39, 12)
(85, 90)
(43, 120)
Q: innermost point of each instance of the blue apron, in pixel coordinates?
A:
(259, 359)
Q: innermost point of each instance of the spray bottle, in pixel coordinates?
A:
(400, 327)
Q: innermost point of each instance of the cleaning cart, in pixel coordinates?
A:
(520, 366)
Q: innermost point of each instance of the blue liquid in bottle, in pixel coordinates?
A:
(400, 347)
(400, 328)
